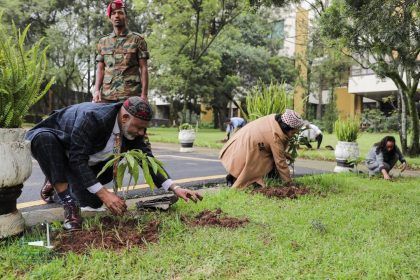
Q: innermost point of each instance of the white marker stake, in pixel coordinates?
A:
(48, 236)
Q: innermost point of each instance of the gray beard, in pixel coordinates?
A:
(128, 136)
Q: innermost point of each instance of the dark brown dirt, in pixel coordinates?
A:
(215, 218)
(282, 192)
(113, 234)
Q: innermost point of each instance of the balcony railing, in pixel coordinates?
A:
(360, 72)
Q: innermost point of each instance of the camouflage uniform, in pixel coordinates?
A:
(121, 56)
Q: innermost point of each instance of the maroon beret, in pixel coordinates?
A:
(114, 5)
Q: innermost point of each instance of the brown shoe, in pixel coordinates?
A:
(72, 217)
(47, 192)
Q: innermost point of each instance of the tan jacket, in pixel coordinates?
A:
(254, 150)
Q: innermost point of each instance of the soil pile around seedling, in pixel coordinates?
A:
(215, 218)
(109, 234)
(282, 192)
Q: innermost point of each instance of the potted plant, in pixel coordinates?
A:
(186, 137)
(22, 72)
(347, 149)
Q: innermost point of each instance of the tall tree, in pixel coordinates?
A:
(212, 51)
(184, 32)
(382, 35)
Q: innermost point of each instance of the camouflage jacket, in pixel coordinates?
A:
(121, 56)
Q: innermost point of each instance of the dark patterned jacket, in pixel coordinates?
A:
(84, 130)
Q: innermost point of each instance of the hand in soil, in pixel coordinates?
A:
(115, 204)
(188, 194)
(403, 167)
(290, 184)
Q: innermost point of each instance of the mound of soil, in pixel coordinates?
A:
(215, 218)
(282, 192)
(110, 234)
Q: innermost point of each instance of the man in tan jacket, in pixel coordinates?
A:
(258, 147)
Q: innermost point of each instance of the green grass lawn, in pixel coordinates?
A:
(210, 138)
(365, 141)
(205, 137)
(360, 228)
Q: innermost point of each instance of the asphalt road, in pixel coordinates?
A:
(188, 169)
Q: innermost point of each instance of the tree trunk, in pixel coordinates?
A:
(414, 117)
(218, 117)
(402, 109)
(308, 92)
(414, 149)
(402, 112)
(319, 105)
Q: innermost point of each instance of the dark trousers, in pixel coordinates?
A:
(48, 150)
(305, 141)
(230, 180)
(319, 140)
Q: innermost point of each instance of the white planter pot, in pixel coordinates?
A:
(345, 152)
(15, 168)
(11, 224)
(16, 161)
(186, 137)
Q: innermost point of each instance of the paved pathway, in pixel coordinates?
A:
(199, 167)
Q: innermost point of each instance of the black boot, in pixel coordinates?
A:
(72, 217)
(47, 192)
(230, 180)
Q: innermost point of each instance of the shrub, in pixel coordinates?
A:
(347, 129)
(185, 126)
(22, 73)
(206, 125)
(264, 100)
(374, 120)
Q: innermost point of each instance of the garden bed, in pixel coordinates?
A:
(215, 218)
(110, 233)
(282, 192)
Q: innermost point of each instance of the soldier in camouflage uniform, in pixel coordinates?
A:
(122, 61)
(122, 69)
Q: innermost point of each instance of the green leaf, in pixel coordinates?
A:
(108, 165)
(153, 164)
(162, 171)
(135, 173)
(146, 173)
(120, 174)
(138, 154)
(130, 160)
